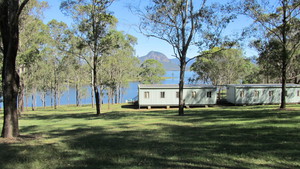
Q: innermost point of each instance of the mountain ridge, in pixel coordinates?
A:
(169, 64)
(162, 58)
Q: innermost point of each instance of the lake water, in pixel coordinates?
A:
(68, 97)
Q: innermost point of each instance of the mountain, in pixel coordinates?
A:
(168, 64)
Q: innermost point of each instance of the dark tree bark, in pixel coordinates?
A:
(51, 94)
(285, 56)
(10, 11)
(77, 95)
(33, 102)
(181, 86)
(95, 87)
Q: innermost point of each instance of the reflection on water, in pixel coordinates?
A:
(69, 97)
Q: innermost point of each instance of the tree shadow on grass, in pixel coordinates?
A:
(188, 144)
(174, 146)
(62, 116)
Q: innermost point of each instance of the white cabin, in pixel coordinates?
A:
(161, 95)
(247, 94)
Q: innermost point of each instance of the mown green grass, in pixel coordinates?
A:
(217, 137)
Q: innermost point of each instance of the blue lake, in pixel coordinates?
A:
(69, 97)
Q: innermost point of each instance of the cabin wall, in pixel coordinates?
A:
(271, 95)
(171, 99)
(230, 95)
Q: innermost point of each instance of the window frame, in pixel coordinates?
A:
(163, 95)
(242, 93)
(256, 93)
(146, 95)
(208, 94)
(194, 94)
(271, 93)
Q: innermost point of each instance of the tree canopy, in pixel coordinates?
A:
(279, 21)
(151, 72)
(221, 67)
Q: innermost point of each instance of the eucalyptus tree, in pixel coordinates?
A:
(33, 37)
(183, 24)
(151, 72)
(77, 70)
(223, 67)
(94, 22)
(269, 61)
(114, 74)
(58, 45)
(279, 20)
(10, 11)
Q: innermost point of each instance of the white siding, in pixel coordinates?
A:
(171, 99)
(266, 95)
(230, 95)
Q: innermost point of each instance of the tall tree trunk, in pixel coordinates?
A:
(32, 100)
(33, 96)
(77, 95)
(43, 98)
(181, 85)
(55, 93)
(96, 91)
(119, 94)
(284, 54)
(283, 87)
(10, 97)
(9, 27)
(51, 94)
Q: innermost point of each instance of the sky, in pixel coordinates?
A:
(127, 22)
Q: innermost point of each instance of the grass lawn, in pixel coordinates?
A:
(217, 137)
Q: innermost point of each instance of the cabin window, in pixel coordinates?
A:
(194, 94)
(208, 94)
(256, 93)
(177, 94)
(242, 94)
(147, 95)
(162, 94)
(271, 93)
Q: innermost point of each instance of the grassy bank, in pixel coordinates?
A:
(218, 137)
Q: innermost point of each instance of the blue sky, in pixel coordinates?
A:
(128, 23)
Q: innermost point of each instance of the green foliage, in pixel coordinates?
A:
(220, 66)
(269, 61)
(93, 22)
(151, 72)
(185, 23)
(279, 21)
(253, 75)
(114, 75)
(219, 137)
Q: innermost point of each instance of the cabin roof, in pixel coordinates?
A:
(263, 85)
(174, 86)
